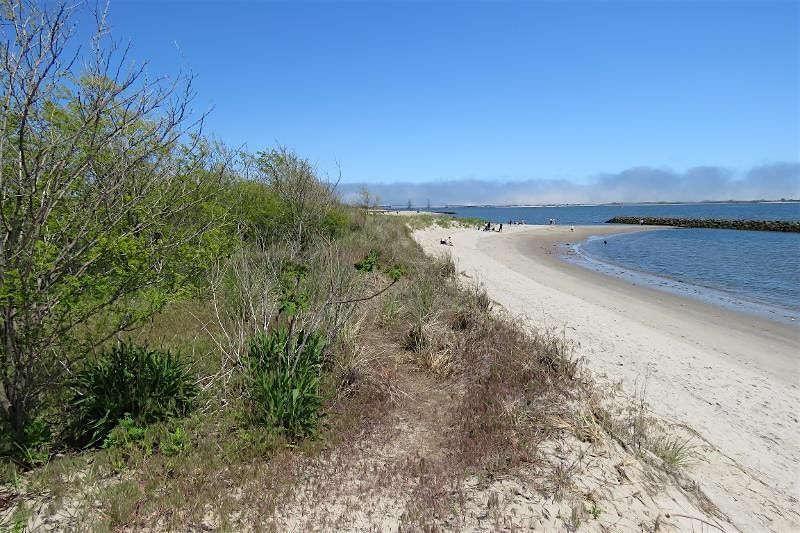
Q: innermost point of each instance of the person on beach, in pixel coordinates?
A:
(449, 241)
(501, 228)
(572, 228)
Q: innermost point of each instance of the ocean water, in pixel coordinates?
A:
(598, 214)
(751, 271)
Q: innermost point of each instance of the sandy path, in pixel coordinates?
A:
(733, 378)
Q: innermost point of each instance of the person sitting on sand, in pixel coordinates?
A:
(449, 241)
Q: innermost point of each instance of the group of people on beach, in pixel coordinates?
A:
(489, 227)
(499, 227)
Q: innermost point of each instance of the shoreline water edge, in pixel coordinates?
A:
(577, 254)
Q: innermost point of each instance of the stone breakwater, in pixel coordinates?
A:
(751, 225)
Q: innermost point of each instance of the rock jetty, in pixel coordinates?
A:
(751, 225)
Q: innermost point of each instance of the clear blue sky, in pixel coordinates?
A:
(413, 91)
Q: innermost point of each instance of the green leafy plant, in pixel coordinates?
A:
(396, 271)
(368, 263)
(132, 382)
(293, 296)
(125, 434)
(174, 442)
(284, 371)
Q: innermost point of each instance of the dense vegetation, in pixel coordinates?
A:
(114, 207)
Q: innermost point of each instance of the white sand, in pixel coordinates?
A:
(732, 378)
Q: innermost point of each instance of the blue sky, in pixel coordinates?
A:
(420, 92)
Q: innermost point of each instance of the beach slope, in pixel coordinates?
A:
(730, 377)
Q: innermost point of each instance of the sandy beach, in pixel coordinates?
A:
(733, 378)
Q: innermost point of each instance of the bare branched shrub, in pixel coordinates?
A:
(247, 292)
(243, 292)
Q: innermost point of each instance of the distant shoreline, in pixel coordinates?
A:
(433, 208)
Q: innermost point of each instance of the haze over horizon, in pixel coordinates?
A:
(642, 184)
(512, 102)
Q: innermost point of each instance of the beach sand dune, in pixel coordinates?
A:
(732, 378)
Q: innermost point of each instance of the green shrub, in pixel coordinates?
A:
(336, 222)
(284, 371)
(129, 381)
(124, 434)
(33, 448)
(369, 262)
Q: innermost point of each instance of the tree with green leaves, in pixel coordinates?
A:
(309, 205)
(104, 188)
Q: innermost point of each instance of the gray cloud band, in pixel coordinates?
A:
(639, 184)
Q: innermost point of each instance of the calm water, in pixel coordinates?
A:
(748, 270)
(754, 270)
(600, 213)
